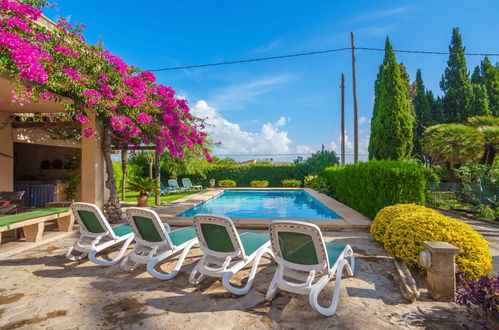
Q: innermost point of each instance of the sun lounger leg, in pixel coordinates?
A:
(314, 294)
(192, 278)
(92, 255)
(174, 272)
(273, 285)
(73, 257)
(244, 290)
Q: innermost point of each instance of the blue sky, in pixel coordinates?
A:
(287, 106)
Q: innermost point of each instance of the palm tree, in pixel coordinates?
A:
(453, 145)
(489, 126)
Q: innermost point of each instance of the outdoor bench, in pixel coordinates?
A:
(33, 222)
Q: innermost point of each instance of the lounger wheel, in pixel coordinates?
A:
(73, 257)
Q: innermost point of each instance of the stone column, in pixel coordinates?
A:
(92, 166)
(441, 277)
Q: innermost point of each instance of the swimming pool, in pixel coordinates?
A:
(264, 204)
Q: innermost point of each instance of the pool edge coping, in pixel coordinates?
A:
(351, 219)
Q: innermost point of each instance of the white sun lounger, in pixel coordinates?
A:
(155, 242)
(97, 235)
(306, 263)
(225, 252)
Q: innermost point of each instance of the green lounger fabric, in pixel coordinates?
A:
(298, 248)
(253, 241)
(11, 219)
(217, 238)
(147, 229)
(122, 230)
(90, 221)
(334, 250)
(180, 236)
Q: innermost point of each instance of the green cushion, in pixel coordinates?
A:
(90, 221)
(180, 236)
(217, 238)
(8, 220)
(253, 241)
(146, 229)
(122, 230)
(297, 248)
(334, 250)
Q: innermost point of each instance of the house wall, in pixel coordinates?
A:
(6, 163)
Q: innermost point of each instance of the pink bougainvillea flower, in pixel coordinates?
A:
(88, 132)
(47, 95)
(143, 118)
(82, 119)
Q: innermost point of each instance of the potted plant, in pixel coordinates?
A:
(227, 183)
(259, 183)
(144, 186)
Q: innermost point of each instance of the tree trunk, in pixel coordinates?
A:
(491, 155)
(450, 173)
(157, 200)
(112, 207)
(124, 163)
(151, 163)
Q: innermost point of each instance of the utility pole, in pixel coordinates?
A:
(355, 109)
(342, 119)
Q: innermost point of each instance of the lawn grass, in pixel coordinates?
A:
(131, 196)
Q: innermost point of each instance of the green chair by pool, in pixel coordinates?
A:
(225, 252)
(97, 235)
(166, 190)
(306, 263)
(155, 242)
(188, 184)
(173, 185)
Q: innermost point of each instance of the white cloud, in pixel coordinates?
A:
(239, 95)
(269, 140)
(272, 45)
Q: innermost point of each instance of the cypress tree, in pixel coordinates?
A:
(422, 112)
(456, 84)
(480, 104)
(436, 106)
(392, 123)
(489, 77)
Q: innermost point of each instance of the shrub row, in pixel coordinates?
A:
(226, 183)
(370, 186)
(243, 175)
(403, 228)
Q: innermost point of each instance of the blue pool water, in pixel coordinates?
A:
(275, 204)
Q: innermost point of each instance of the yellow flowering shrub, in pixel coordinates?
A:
(389, 213)
(404, 236)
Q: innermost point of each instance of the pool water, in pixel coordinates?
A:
(275, 204)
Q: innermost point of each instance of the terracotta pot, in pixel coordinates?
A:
(142, 200)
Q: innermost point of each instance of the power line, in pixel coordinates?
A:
(251, 60)
(259, 59)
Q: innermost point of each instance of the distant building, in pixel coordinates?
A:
(270, 162)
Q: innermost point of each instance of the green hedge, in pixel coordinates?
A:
(243, 175)
(369, 187)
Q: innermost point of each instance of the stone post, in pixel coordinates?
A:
(212, 183)
(438, 258)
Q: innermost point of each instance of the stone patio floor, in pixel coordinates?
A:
(41, 289)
